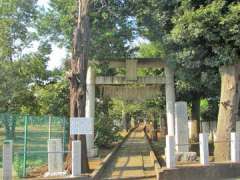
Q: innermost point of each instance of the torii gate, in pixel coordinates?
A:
(131, 66)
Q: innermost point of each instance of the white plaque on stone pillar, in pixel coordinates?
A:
(79, 125)
(181, 127)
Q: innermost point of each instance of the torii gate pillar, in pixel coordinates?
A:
(90, 108)
(170, 100)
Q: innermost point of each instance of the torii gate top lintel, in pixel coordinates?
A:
(140, 62)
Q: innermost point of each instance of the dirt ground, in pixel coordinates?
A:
(93, 162)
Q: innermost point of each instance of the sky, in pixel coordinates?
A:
(58, 54)
(43, 2)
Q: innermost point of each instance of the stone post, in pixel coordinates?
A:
(124, 119)
(90, 109)
(76, 158)
(238, 126)
(170, 99)
(55, 157)
(170, 152)
(205, 127)
(235, 147)
(132, 122)
(190, 133)
(203, 142)
(181, 127)
(7, 160)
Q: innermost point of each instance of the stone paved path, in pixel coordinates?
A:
(132, 160)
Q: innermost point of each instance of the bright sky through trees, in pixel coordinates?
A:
(58, 54)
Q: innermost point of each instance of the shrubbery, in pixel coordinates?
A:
(18, 165)
(107, 133)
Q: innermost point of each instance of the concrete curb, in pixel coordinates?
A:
(213, 171)
(153, 158)
(62, 178)
(96, 174)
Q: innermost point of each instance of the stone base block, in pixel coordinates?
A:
(54, 174)
(186, 156)
(93, 152)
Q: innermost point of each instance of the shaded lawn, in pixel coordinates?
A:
(37, 141)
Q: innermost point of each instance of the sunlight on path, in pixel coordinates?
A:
(132, 159)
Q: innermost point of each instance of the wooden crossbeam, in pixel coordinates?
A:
(141, 62)
(117, 80)
(131, 93)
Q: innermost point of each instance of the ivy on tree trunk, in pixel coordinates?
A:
(77, 77)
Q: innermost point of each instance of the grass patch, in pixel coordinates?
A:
(36, 141)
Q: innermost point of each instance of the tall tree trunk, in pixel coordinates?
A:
(195, 118)
(228, 109)
(77, 76)
(154, 133)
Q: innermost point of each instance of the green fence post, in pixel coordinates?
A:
(25, 145)
(63, 134)
(49, 126)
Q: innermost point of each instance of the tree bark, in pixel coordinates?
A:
(77, 77)
(228, 110)
(154, 133)
(195, 118)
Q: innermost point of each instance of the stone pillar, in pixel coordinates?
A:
(90, 109)
(55, 157)
(205, 127)
(170, 152)
(181, 127)
(170, 99)
(190, 133)
(238, 126)
(132, 122)
(124, 119)
(76, 158)
(204, 153)
(7, 160)
(235, 147)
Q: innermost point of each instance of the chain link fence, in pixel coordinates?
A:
(30, 135)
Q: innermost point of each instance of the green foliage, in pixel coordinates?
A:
(111, 27)
(18, 164)
(208, 34)
(209, 109)
(53, 97)
(107, 115)
(153, 49)
(107, 132)
(17, 79)
(16, 20)
(10, 121)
